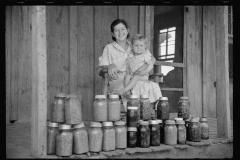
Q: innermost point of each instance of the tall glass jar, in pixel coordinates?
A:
(145, 134)
(181, 132)
(120, 134)
(184, 108)
(108, 136)
(154, 133)
(131, 137)
(80, 139)
(114, 108)
(161, 125)
(204, 128)
(170, 132)
(133, 101)
(100, 109)
(194, 129)
(132, 116)
(64, 141)
(73, 109)
(52, 133)
(163, 108)
(145, 108)
(57, 111)
(95, 137)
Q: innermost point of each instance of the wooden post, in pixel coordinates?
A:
(222, 84)
(39, 83)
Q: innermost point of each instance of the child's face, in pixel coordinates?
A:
(120, 32)
(139, 47)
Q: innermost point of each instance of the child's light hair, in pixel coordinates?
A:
(140, 37)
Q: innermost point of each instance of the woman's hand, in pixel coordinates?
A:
(112, 71)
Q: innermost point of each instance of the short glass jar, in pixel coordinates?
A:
(108, 136)
(204, 128)
(100, 111)
(170, 132)
(120, 134)
(181, 132)
(184, 107)
(194, 130)
(131, 137)
(95, 137)
(145, 134)
(154, 133)
(58, 108)
(114, 108)
(163, 108)
(52, 133)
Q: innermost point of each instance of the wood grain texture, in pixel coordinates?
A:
(141, 24)
(193, 31)
(149, 26)
(209, 62)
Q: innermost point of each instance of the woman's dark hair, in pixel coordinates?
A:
(116, 22)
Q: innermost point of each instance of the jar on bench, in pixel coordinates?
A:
(108, 136)
(194, 130)
(73, 109)
(52, 133)
(95, 137)
(100, 109)
(58, 108)
(170, 132)
(114, 108)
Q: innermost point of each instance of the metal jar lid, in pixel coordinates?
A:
(163, 98)
(133, 97)
(178, 119)
(184, 97)
(64, 127)
(60, 95)
(144, 123)
(80, 125)
(113, 96)
(95, 124)
(132, 129)
(132, 107)
(144, 96)
(194, 120)
(107, 123)
(169, 122)
(180, 122)
(153, 121)
(52, 124)
(119, 123)
(100, 97)
(159, 121)
(203, 120)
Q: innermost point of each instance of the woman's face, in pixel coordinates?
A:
(120, 32)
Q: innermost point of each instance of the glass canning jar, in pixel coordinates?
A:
(161, 126)
(95, 137)
(170, 132)
(162, 108)
(194, 130)
(181, 132)
(108, 136)
(52, 133)
(133, 101)
(131, 137)
(132, 116)
(184, 107)
(114, 108)
(154, 133)
(145, 134)
(100, 109)
(145, 108)
(58, 107)
(204, 128)
(120, 134)
(73, 109)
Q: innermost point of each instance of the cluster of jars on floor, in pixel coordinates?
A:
(109, 131)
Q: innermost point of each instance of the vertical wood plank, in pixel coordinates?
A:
(8, 53)
(141, 20)
(39, 83)
(103, 17)
(193, 31)
(86, 59)
(223, 104)
(185, 51)
(209, 62)
(73, 78)
(130, 15)
(149, 26)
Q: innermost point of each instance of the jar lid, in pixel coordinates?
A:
(203, 120)
(184, 97)
(178, 119)
(64, 126)
(107, 123)
(180, 122)
(163, 98)
(159, 121)
(153, 121)
(80, 125)
(52, 124)
(144, 96)
(100, 97)
(194, 120)
(119, 123)
(132, 129)
(143, 122)
(95, 124)
(133, 96)
(61, 95)
(169, 122)
(132, 107)
(113, 96)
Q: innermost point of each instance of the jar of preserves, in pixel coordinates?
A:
(114, 108)
(204, 128)
(132, 116)
(145, 134)
(58, 107)
(131, 137)
(145, 108)
(161, 126)
(170, 132)
(108, 136)
(95, 137)
(64, 141)
(181, 132)
(154, 133)
(133, 101)
(80, 139)
(52, 133)
(184, 108)
(120, 134)
(100, 109)
(139, 134)
(163, 108)
(73, 109)
(187, 130)
(194, 129)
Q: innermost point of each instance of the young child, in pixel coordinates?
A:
(139, 64)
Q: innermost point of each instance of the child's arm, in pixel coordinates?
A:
(147, 69)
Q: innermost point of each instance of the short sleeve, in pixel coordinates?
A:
(147, 56)
(105, 59)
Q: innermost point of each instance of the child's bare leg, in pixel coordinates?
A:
(127, 79)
